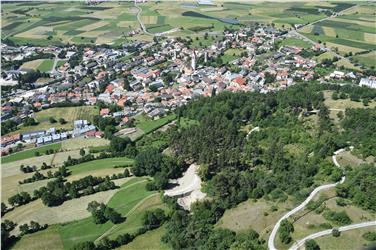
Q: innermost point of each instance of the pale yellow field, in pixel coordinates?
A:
(78, 143)
(361, 9)
(13, 168)
(96, 33)
(212, 9)
(149, 19)
(351, 239)
(106, 14)
(370, 37)
(36, 33)
(125, 24)
(103, 39)
(44, 240)
(329, 31)
(250, 214)
(347, 64)
(70, 210)
(32, 64)
(93, 26)
(307, 29)
(343, 48)
(60, 157)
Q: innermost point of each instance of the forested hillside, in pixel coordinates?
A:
(286, 157)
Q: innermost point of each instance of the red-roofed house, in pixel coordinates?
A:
(104, 111)
(239, 80)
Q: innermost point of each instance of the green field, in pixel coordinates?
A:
(132, 195)
(100, 164)
(147, 125)
(150, 240)
(30, 153)
(296, 42)
(46, 65)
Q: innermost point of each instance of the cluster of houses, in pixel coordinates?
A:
(155, 77)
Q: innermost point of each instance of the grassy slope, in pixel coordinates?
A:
(149, 241)
(29, 153)
(123, 201)
(147, 125)
(100, 164)
(46, 239)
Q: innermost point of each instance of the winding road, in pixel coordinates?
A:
(273, 234)
(300, 243)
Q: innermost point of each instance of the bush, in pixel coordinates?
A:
(370, 236)
(311, 245)
(336, 232)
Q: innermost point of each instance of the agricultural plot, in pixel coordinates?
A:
(34, 24)
(354, 31)
(78, 23)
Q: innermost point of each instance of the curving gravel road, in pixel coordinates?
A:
(300, 243)
(273, 234)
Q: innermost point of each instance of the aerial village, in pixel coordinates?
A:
(153, 78)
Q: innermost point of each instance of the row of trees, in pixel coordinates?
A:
(37, 176)
(56, 192)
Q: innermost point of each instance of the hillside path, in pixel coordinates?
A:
(273, 234)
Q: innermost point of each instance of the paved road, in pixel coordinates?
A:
(300, 243)
(272, 236)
